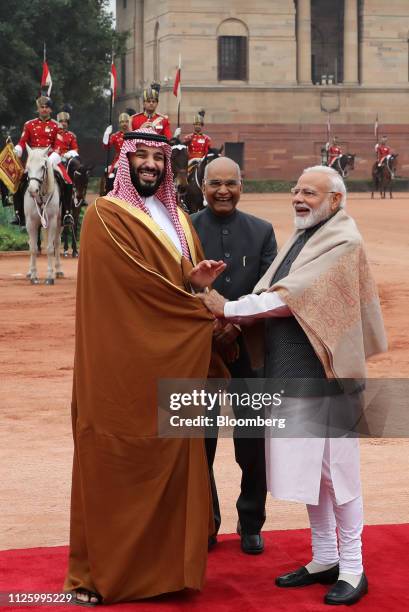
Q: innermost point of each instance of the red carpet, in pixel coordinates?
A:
(237, 582)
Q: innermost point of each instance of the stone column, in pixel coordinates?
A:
(351, 42)
(304, 41)
(138, 51)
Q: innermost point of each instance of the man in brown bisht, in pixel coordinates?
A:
(141, 508)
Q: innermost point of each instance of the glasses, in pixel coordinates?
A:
(215, 183)
(307, 193)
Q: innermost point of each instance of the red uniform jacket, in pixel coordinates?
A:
(334, 151)
(67, 141)
(197, 144)
(160, 123)
(38, 134)
(382, 151)
(116, 141)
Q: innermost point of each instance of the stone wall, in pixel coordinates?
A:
(282, 151)
(271, 106)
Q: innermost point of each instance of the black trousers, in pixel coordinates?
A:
(4, 193)
(250, 455)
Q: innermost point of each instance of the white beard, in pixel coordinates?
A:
(314, 217)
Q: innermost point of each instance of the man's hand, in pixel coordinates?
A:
(205, 273)
(214, 302)
(226, 335)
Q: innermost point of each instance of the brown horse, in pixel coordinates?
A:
(382, 176)
(179, 163)
(79, 175)
(344, 163)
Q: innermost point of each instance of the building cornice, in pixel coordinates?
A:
(245, 87)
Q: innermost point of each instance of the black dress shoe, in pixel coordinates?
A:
(211, 542)
(252, 544)
(302, 577)
(344, 594)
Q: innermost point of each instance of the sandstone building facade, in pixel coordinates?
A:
(269, 73)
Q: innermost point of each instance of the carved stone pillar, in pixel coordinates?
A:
(351, 42)
(304, 41)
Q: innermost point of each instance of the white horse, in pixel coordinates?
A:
(42, 208)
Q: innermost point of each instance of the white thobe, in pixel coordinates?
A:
(161, 215)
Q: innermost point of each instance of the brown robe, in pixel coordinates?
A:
(140, 509)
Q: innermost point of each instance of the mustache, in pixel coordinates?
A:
(148, 169)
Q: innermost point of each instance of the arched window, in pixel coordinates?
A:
(156, 76)
(232, 51)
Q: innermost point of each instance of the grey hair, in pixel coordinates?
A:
(337, 182)
(224, 157)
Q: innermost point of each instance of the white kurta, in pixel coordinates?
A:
(294, 465)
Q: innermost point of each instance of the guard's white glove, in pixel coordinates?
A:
(18, 150)
(55, 159)
(177, 132)
(71, 153)
(107, 134)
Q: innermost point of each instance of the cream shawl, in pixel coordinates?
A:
(331, 292)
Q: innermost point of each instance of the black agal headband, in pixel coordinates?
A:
(145, 136)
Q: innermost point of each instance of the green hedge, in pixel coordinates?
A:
(93, 184)
(13, 239)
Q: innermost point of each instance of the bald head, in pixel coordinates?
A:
(222, 164)
(222, 185)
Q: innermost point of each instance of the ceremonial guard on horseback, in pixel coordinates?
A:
(190, 156)
(383, 151)
(43, 132)
(336, 159)
(198, 143)
(149, 117)
(384, 169)
(115, 141)
(67, 139)
(334, 152)
(78, 174)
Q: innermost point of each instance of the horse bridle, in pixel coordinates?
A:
(344, 172)
(41, 206)
(41, 180)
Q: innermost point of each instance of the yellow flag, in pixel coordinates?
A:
(11, 168)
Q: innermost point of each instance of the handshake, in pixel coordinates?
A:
(224, 333)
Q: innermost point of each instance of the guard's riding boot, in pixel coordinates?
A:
(68, 219)
(16, 219)
(18, 199)
(4, 195)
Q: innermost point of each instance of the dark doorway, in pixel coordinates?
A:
(235, 150)
(327, 41)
